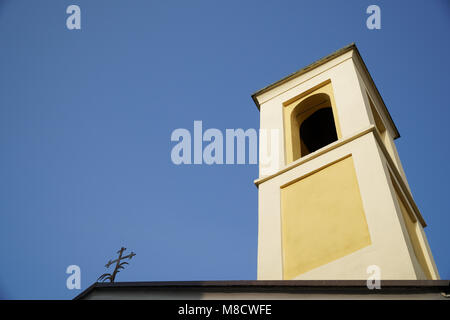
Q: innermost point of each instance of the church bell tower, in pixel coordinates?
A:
(334, 199)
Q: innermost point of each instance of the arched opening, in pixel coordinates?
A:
(317, 131)
(310, 122)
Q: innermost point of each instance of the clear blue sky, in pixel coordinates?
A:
(86, 118)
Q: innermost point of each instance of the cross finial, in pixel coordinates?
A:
(119, 265)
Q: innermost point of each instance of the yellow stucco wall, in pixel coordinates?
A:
(322, 218)
(350, 88)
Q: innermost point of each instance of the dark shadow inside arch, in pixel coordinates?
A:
(318, 130)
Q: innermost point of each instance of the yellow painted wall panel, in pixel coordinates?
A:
(322, 218)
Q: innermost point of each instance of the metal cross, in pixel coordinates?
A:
(119, 265)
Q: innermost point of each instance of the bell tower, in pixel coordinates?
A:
(333, 197)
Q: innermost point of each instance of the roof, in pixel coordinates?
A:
(320, 62)
(286, 286)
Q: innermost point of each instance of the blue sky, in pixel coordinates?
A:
(86, 118)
